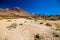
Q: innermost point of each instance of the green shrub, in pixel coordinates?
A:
(13, 25)
(37, 36)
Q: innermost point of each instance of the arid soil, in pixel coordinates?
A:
(26, 29)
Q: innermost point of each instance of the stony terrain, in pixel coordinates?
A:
(26, 29)
(17, 24)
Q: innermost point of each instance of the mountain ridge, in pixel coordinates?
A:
(15, 12)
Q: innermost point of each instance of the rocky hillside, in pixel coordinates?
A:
(14, 13)
(20, 13)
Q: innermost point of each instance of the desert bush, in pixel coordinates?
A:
(57, 26)
(48, 24)
(13, 25)
(55, 34)
(41, 22)
(37, 36)
(21, 24)
(35, 20)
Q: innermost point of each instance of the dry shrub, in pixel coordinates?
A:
(37, 36)
(13, 25)
(21, 24)
(48, 24)
(57, 26)
(41, 22)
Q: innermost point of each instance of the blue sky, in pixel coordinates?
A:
(47, 7)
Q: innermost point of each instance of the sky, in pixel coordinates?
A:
(47, 7)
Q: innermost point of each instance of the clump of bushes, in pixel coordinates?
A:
(13, 25)
(37, 36)
(48, 24)
(55, 35)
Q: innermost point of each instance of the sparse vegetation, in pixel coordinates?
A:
(21, 24)
(9, 17)
(57, 26)
(9, 21)
(14, 20)
(29, 18)
(38, 36)
(25, 21)
(48, 24)
(50, 17)
(13, 25)
(31, 21)
(35, 20)
(55, 35)
(41, 22)
(32, 25)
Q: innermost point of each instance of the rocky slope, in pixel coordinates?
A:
(14, 13)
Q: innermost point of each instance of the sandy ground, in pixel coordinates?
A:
(28, 30)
